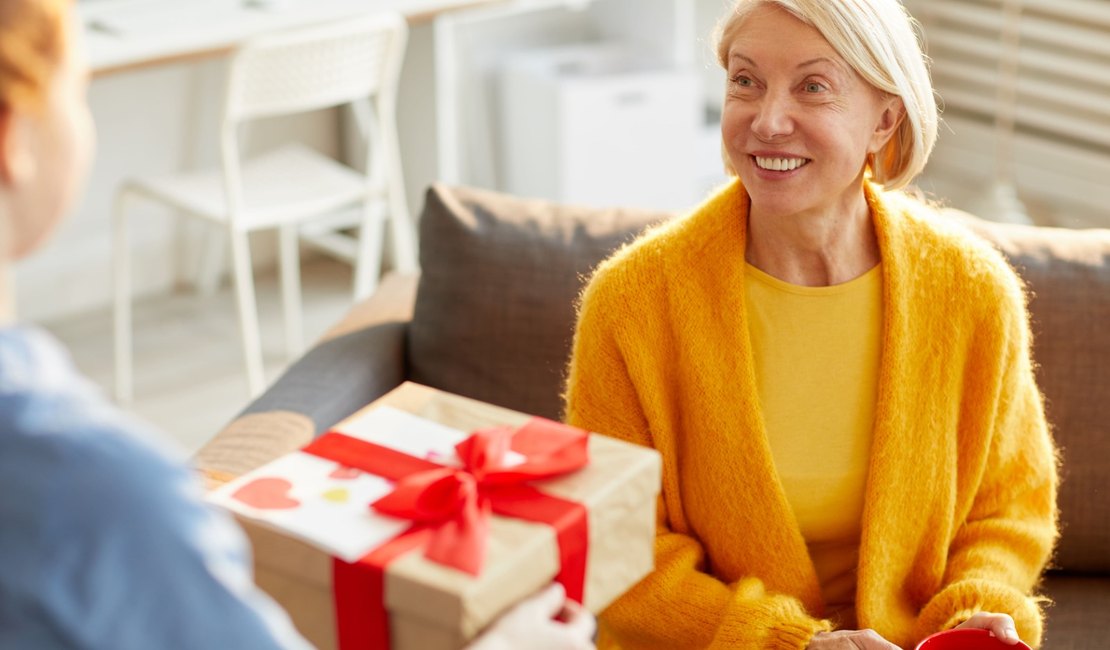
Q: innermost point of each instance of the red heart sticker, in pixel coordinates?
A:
(345, 472)
(267, 494)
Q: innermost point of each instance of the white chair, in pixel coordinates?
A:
(355, 61)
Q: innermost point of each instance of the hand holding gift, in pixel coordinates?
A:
(545, 621)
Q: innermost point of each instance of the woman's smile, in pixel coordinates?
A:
(777, 166)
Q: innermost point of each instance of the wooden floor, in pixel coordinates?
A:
(189, 373)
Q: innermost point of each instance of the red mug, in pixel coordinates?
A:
(967, 639)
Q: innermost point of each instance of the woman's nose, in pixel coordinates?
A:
(773, 118)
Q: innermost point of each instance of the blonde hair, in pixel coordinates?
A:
(33, 41)
(879, 40)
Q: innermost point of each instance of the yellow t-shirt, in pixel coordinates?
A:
(816, 353)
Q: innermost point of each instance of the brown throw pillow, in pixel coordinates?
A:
(495, 309)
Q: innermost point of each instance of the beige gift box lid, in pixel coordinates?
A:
(432, 606)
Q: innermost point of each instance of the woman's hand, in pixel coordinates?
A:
(850, 640)
(545, 621)
(1000, 625)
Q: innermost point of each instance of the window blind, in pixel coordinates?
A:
(1047, 80)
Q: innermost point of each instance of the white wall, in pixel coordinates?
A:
(416, 118)
(713, 77)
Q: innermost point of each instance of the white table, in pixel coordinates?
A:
(127, 34)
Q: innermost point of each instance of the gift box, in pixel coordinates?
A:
(348, 571)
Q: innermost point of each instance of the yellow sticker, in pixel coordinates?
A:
(338, 495)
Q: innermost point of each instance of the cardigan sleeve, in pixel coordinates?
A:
(680, 604)
(1001, 548)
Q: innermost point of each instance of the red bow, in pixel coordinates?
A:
(456, 502)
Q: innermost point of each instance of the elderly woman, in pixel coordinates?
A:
(839, 382)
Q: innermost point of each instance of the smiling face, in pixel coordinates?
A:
(798, 123)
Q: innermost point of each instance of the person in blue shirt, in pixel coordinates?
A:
(105, 541)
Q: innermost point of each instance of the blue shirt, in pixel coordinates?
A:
(105, 541)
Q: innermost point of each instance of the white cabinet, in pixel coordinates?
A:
(624, 135)
(599, 125)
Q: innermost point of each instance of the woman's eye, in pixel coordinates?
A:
(815, 87)
(742, 81)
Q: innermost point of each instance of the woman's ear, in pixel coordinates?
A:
(894, 111)
(16, 161)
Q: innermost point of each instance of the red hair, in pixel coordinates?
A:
(32, 46)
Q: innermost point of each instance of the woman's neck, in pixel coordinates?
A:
(7, 295)
(7, 278)
(814, 249)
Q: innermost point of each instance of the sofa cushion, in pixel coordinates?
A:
(1068, 274)
(500, 276)
(1077, 619)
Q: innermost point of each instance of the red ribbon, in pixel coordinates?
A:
(450, 509)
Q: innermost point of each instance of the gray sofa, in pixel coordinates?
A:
(491, 317)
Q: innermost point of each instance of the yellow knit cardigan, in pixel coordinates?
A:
(959, 511)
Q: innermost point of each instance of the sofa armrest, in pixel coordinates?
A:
(356, 361)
